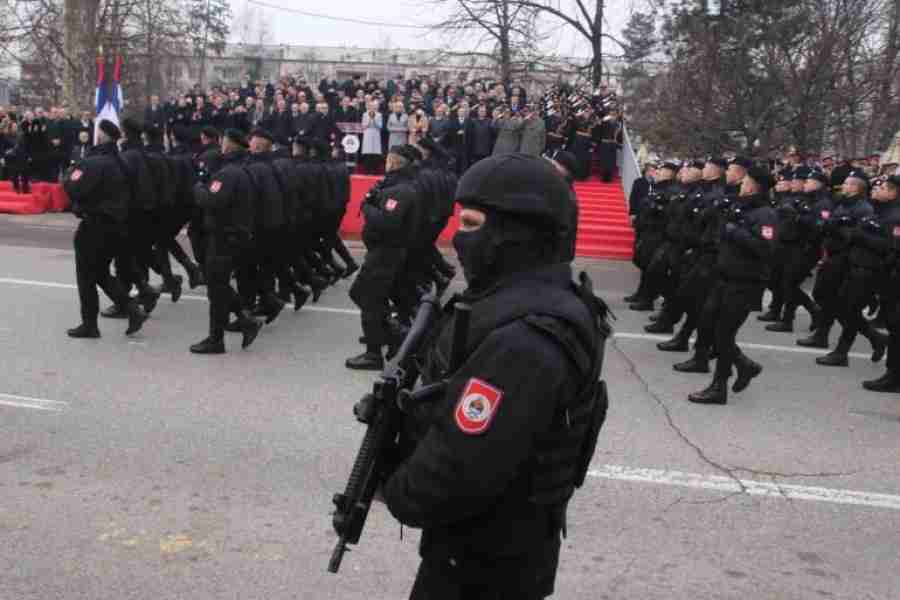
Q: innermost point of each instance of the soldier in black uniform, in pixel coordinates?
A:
(848, 212)
(511, 435)
(289, 285)
(206, 161)
(700, 232)
(309, 177)
(334, 207)
(184, 211)
(866, 254)
(388, 231)
(437, 182)
(227, 204)
(670, 261)
(99, 190)
(788, 189)
(651, 230)
(566, 163)
(800, 235)
(257, 278)
(745, 253)
(885, 242)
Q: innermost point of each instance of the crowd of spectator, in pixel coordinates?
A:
(470, 121)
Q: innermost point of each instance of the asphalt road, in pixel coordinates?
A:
(132, 469)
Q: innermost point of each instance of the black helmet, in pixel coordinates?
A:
(524, 186)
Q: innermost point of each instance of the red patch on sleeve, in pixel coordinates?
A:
(390, 205)
(477, 407)
(896, 230)
(768, 232)
(76, 175)
(826, 214)
(215, 186)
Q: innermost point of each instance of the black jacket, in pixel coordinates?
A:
(838, 229)
(98, 186)
(269, 194)
(228, 200)
(164, 178)
(140, 178)
(182, 165)
(394, 213)
(748, 241)
(871, 241)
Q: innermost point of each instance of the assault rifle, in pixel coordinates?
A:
(382, 412)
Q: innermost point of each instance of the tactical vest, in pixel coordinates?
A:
(563, 453)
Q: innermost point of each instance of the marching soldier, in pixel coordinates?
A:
(99, 190)
(227, 203)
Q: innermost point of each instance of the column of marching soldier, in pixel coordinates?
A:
(267, 218)
(713, 235)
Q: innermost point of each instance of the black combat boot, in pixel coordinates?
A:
(136, 318)
(815, 316)
(84, 331)
(785, 326)
(209, 346)
(148, 297)
(318, 285)
(770, 316)
(661, 326)
(746, 370)
(716, 393)
(699, 363)
(879, 343)
(195, 275)
(888, 383)
(172, 286)
(300, 296)
(837, 358)
(370, 360)
(271, 307)
(352, 268)
(249, 327)
(642, 305)
(679, 343)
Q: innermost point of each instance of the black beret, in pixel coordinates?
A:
(858, 174)
(181, 133)
(567, 160)
(110, 129)
(818, 175)
(132, 128)
(237, 136)
(153, 133)
(211, 132)
(406, 151)
(742, 161)
(430, 144)
(719, 162)
(262, 133)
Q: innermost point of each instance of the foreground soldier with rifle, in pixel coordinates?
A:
(485, 455)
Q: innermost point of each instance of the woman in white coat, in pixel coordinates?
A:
(372, 123)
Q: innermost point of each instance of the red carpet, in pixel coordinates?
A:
(44, 197)
(604, 230)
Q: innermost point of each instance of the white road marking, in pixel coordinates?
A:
(754, 488)
(32, 403)
(353, 311)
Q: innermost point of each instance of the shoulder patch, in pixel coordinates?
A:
(896, 230)
(826, 214)
(215, 186)
(477, 406)
(76, 175)
(768, 232)
(391, 204)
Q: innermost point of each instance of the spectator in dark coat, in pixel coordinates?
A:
(154, 114)
(481, 140)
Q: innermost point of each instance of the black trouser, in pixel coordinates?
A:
(197, 236)
(776, 279)
(826, 290)
(663, 276)
(169, 225)
(96, 244)
(694, 289)
(136, 255)
(488, 578)
(372, 289)
(727, 307)
(607, 162)
(269, 259)
(799, 261)
(890, 302)
(20, 175)
(224, 256)
(856, 293)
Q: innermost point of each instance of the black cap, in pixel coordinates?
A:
(262, 133)
(406, 151)
(817, 175)
(567, 160)
(669, 164)
(742, 161)
(181, 134)
(718, 161)
(132, 128)
(517, 184)
(431, 145)
(761, 176)
(858, 174)
(110, 129)
(211, 132)
(237, 136)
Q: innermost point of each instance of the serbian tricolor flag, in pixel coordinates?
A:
(108, 103)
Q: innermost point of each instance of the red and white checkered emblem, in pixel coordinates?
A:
(768, 232)
(76, 175)
(896, 230)
(477, 407)
(826, 214)
(215, 186)
(391, 204)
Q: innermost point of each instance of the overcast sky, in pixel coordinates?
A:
(296, 29)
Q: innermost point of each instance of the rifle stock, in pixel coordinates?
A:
(381, 412)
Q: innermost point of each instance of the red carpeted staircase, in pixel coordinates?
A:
(604, 230)
(43, 197)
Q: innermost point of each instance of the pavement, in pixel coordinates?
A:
(130, 468)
